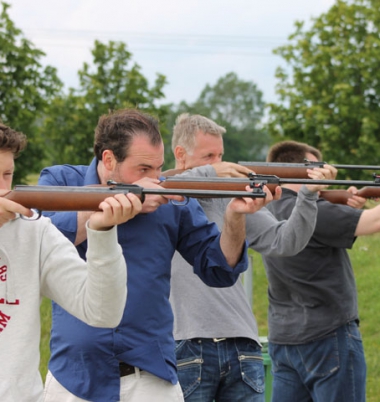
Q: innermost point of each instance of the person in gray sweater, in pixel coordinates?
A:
(217, 343)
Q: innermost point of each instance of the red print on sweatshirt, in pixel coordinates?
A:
(4, 318)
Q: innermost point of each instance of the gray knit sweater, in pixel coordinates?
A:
(205, 312)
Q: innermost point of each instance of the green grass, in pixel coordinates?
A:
(365, 258)
(45, 336)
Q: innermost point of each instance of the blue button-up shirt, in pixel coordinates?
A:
(84, 359)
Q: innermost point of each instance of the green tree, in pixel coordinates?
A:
(111, 82)
(330, 93)
(26, 88)
(236, 105)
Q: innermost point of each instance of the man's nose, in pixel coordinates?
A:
(4, 184)
(216, 159)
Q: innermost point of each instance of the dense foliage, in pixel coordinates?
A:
(26, 89)
(112, 82)
(329, 95)
(330, 92)
(238, 106)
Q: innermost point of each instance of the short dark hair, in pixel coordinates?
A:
(115, 131)
(11, 140)
(291, 152)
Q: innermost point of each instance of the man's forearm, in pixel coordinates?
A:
(271, 237)
(233, 237)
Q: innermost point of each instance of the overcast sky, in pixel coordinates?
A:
(191, 42)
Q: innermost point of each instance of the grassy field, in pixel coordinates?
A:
(366, 261)
(365, 257)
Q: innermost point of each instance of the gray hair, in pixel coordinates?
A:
(187, 126)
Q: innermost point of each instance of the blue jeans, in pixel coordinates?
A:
(330, 369)
(225, 370)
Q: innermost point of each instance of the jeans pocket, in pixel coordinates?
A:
(353, 330)
(321, 358)
(354, 340)
(189, 365)
(252, 367)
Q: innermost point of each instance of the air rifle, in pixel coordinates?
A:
(371, 189)
(88, 198)
(253, 180)
(295, 170)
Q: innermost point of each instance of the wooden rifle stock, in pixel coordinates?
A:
(56, 198)
(203, 183)
(88, 198)
(342, 196)
(295, 170)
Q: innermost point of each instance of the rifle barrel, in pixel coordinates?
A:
(329, 182)
(235, 182)
(362, 167)
(305, 165)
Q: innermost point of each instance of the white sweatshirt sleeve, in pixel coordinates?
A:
(93, 291)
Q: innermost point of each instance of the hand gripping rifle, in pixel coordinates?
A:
(88, 198)
(296, 170)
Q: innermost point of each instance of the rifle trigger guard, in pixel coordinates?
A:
(180, 203)
(36, 215)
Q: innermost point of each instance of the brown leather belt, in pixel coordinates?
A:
(126, 369)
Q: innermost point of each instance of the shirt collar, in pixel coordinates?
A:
(91, 176)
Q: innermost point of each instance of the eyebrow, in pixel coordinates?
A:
(150, 166)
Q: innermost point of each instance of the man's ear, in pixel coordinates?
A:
(180, 156)
(109, 160)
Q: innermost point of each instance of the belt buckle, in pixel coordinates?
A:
(218, 339)
(126, 369)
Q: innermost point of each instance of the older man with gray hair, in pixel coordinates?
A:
(217, 343)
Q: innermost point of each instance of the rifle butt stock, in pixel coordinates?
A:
(55, 198)
(340, 196)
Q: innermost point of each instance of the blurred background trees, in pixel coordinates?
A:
(26, 89)
(238, 106)
(111, 82)
(328, 95)
(60, 124)
(330, 91)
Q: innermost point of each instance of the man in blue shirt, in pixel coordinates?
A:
(135, 362)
